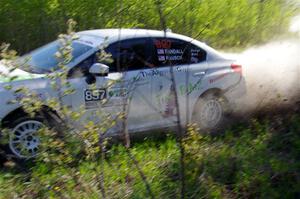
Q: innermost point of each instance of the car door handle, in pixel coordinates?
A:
(200, 73)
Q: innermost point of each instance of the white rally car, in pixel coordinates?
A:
(206, 84)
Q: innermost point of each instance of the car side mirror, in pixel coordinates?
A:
(98, 69)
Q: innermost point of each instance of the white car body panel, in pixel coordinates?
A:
(148, 89)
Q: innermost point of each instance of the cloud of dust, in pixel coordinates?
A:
(272, 72)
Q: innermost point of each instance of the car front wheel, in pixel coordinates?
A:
(24, 138)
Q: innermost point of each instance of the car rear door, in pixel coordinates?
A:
(188, 63)
(132, 59)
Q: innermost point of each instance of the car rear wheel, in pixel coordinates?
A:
(210, 111)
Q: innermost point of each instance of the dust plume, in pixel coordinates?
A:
(272, 72)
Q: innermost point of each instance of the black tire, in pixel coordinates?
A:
(211, 113)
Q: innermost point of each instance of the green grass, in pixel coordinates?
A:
(260, 159)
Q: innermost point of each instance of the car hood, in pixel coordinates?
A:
(16, 75)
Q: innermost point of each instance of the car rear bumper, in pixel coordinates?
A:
(237, 90)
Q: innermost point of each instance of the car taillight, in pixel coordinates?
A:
(237, 68)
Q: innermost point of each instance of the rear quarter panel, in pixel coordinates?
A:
(217, 75)
(220, 75)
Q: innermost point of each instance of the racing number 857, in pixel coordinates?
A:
(95, 94)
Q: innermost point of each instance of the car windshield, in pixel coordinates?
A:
(43, 59)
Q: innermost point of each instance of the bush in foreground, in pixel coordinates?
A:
(256, 160)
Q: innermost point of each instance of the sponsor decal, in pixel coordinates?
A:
(174, 58)
(196, 55)
(19, 96)
(10, 78)
(195, 52)
(173, 51)
(163, 43)
(154, 72)
(169, 54)
(166, 53)
(104, 97)
(118, 92)
(161, 58)
(160, 51)
(213, 80)
(183, 89)
(181, 69)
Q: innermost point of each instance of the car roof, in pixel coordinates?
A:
(124, 33)
(112, 35)
(98, 36)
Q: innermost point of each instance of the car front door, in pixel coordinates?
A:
(92, 96)
(126, 88)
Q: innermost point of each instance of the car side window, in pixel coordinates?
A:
(171, 52)
(131, 54)
(82, 69)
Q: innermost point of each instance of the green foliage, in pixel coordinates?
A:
(258, 161)
(221, 23)
(261, 161)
